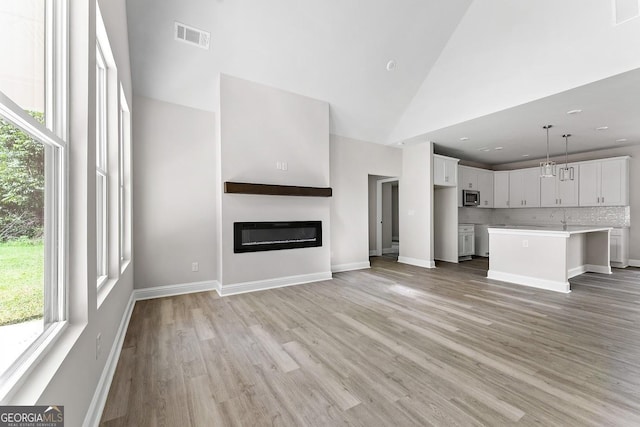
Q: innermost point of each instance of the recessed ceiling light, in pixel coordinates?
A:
(621, 140)
(482, 149)
(391, 65)
(602, 128)
(487, 149)
(464, 138)
(525, 155)
(574, 111)
(499, 148)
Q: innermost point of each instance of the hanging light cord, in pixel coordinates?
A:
(566, 150)
(547, 127)
(548, 143)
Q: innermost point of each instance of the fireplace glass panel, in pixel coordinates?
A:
(268, 236)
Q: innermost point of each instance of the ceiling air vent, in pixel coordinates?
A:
(194, 36)
(624, 10)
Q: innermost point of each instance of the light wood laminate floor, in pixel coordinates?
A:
(393, 345)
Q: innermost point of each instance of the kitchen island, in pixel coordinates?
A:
(547, 257)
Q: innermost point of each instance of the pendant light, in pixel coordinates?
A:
(566, 173)
(548, 168)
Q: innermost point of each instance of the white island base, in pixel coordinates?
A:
(547, 257)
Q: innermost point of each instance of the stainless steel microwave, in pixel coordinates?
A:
(470, 198)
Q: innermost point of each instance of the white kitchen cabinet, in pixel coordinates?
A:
(466, 241)
(619, 247)
(604, 182)
(475, 179)
(445, 171)
(485, 186)
(556, 193)
(501, 189)
(524, 188)
(468, 178)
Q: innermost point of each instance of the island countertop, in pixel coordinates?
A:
(542, 230)
(547, 256)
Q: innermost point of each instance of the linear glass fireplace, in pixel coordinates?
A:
(272, 236)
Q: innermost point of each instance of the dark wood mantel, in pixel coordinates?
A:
(276, 190)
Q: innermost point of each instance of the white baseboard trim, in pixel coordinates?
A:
(94, 413)
(634, 263)
(618, 265)
(350, 266)
(373, 252)
(604, 269)
(417, 262)
(261, 285)
(576, 271)
(550, 285)
(180, 289)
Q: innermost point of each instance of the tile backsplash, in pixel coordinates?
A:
(612, 216)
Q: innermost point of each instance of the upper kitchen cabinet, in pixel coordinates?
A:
(467, 178)
(604, 182)
(524, 188)
(485, 186)
(445, 171)
(560, 190)
(501, 189)
(475, 179)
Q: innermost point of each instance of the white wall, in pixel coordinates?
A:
(506, 53)
(259, 126)
(174, 216)
(352, 162)
(445, 224)
(416, 206)
(69, 373)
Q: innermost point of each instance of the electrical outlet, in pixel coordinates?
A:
(285, 166)
(279, 165)
(98, 346)
(525, 243)
(194, 266)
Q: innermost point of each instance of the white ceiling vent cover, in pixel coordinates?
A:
(191, 35)
(624, 10)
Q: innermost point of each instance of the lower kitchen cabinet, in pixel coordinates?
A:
(466, 241)
(619, 247)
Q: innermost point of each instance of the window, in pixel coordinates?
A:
(108, 163)
(124, 157)
(101, 166)
(32, 181)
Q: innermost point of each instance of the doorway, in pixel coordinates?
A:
(384, 236)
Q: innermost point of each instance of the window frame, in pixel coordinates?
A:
(107, 150)
(124, 180)
(54, 136)
(102, 175)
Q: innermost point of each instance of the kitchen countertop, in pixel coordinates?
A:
(545, 229)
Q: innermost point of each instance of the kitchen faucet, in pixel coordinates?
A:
(563, 221)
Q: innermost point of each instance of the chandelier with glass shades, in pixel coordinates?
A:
(547, 168)
(566, 173)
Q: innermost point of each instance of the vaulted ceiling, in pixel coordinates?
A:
(332, 50)
(494, 71)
